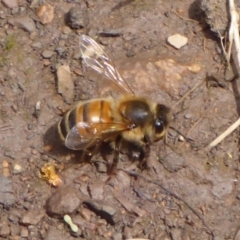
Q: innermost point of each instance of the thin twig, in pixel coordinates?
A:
(204, 44)
(169, 192)
(233, 33)
(224, 134)
(187, 19)
(188, 139)
(194, 125)
(223, 48)
(187, 93)
(5, 127)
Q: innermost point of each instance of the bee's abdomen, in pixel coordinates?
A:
(96, 111)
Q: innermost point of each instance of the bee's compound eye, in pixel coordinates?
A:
(159, 125)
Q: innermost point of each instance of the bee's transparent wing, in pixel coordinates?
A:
(84, 135)
(94, 56)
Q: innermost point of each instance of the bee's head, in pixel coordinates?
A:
(161, 121)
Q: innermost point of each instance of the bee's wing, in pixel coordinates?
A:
(84, 135)
(94, 57)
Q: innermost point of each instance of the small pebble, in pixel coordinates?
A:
(24, 22)
(34, 152)
(32, 217)
(172, 132)
(47, 53)
(188, 116)
(219, 50)
(5, 168)
(14, 10)
(14, 107)
(217, 58)
(17, 168)
(46, 63)
(44, 157)
(66, 30)
(166, 14)
(177, 41)
(5, 164)
(36, 45)
(78, 71)
(76, 18)
(48, 148)
(194, 68)
(30, 136)
(180, 10)
(31, 160)
(45, 13)
(181, 138)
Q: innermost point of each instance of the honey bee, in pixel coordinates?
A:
(129, 121)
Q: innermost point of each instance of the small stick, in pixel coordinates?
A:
(223, 48)
(6, 127)
(233, 31)
(224, 134)
(204, 44)
(187, 19)
(187, 93)
(194, 125)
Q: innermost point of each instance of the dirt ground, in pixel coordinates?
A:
(186, 192)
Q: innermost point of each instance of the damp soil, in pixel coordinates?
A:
(187, 191)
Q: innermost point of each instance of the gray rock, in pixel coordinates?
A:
(97, 190)
(62, 52)
(63, 201)
(103, 209)
(216, 14)
(173, 162)
(47, 53)
(65, 83)
(77, 18)
(32, 217)
(6, 193)
(24, 22)
(36, 45)
(14, 10)
(10, 3)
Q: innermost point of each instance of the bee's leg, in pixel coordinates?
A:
(115, 155)
(88, 153)
(144, 154)
(86, 156)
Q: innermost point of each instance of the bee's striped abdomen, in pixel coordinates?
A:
(96, 111)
